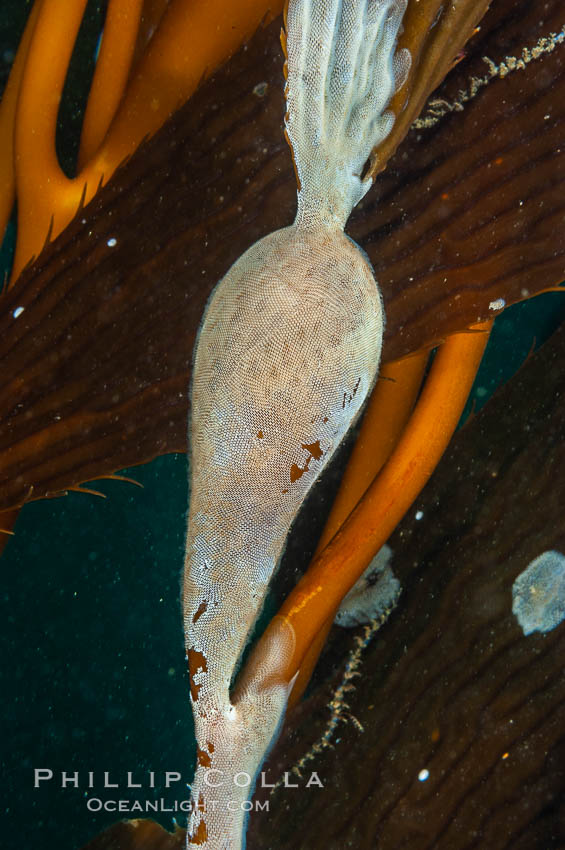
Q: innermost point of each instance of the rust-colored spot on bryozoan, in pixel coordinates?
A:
(316, 452)
(201, 834)
(196, 664)
(296, 472)
(203, 758)
(314, 449)
(201, 609)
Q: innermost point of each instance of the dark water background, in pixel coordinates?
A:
(93, 674)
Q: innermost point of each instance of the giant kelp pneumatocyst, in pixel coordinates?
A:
(538, 594)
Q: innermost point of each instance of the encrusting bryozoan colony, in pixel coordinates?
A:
(288, 350)
(538, 593)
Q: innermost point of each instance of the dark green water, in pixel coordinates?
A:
(94, 669)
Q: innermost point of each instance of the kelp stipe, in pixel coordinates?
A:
(288, 350)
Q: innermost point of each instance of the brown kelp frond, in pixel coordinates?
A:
(465, 216)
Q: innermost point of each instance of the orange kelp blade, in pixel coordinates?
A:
(43, 192)
(384, 420)
(119, 38)
(47, 198)
(316, 597)
(186, 47)
(7, 118)
(126, 105)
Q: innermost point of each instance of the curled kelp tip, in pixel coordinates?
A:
(538, 593)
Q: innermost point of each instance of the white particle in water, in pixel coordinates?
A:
(18, 312)
(499, 304)
(111, 243)
(538, 594)
(423, 775)
(419, 514)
